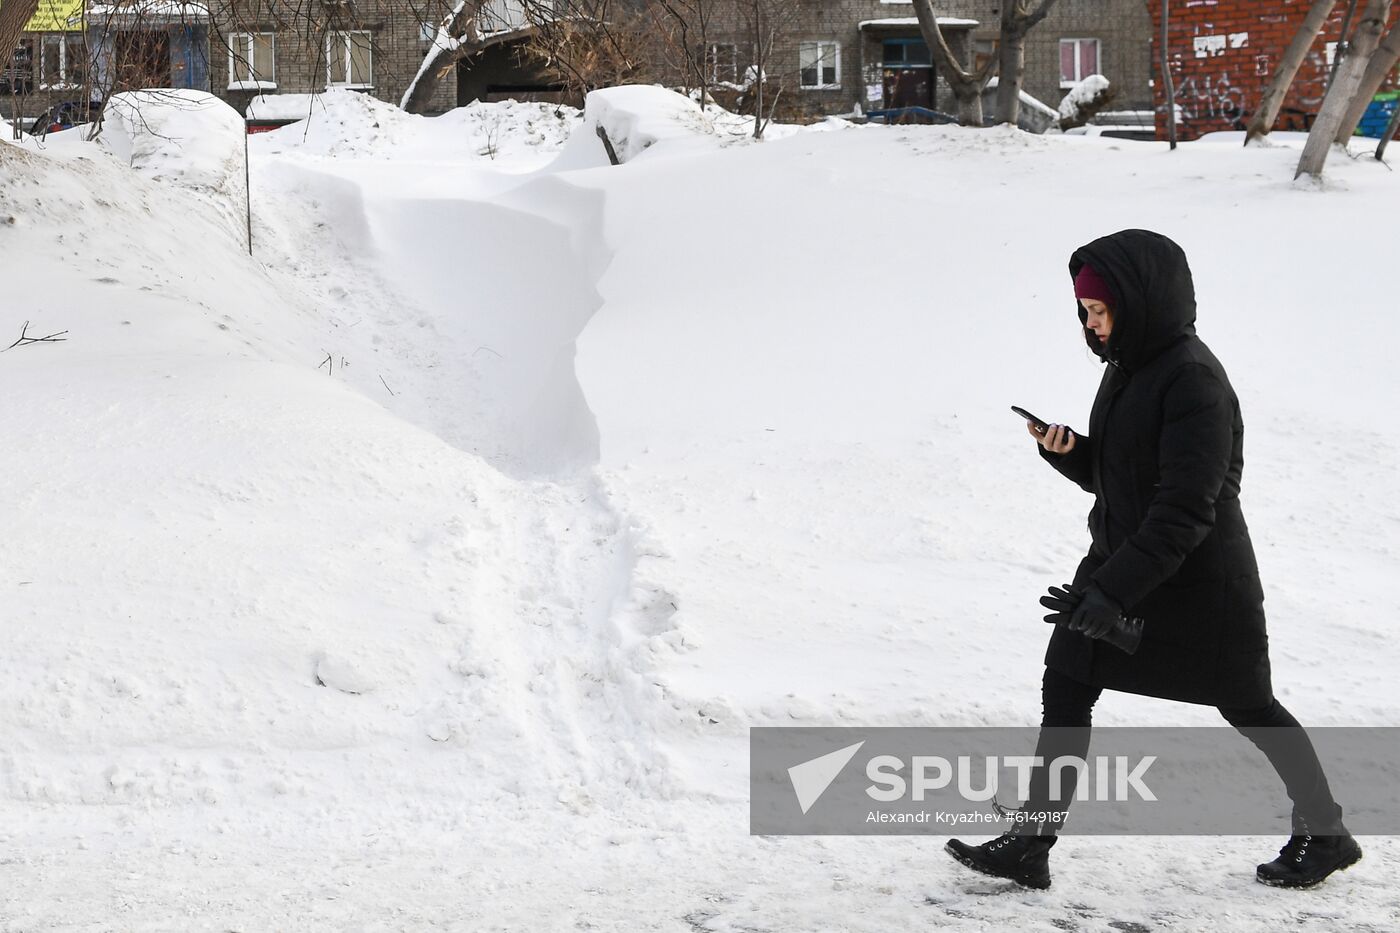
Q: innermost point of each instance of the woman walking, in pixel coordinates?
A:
(1163, 458)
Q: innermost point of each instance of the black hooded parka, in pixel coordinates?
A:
(1163, 457)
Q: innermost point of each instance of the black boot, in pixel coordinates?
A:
(1018, 855)
(1307, 858)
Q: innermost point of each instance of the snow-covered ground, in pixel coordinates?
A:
(428, 567)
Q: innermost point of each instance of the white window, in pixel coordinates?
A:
(349, 59)
(62, 60)
(427, 33)
(252, 60)
(819, 64)
(1079, 58)
(722, 62)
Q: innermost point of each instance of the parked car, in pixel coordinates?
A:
(65, 116)
(1114, 131)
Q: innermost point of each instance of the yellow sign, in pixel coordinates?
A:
(57, 16)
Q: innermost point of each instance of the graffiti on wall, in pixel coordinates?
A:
(1211, 97)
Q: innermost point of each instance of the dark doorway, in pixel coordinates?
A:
(142, 58)
(908, 73)
(908, 87)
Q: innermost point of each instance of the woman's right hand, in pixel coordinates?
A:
(1058, 438)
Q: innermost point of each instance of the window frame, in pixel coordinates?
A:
(251, 80)
(40, 60)
(1078, 58)
(713, 63)
(345, 45)
(836, 63)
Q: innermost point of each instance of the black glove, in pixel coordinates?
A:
(1096, 614)
(1062, 599)
(1085, 610)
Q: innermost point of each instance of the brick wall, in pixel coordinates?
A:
(1121, 26)
(1224, 54)
(397, 47)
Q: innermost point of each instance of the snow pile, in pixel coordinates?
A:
(191, 138)
(1083, 99)
(636, 118)
(344, 124)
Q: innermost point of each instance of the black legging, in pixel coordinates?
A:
(1069, 704)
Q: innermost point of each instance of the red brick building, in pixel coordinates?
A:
(1223, 54)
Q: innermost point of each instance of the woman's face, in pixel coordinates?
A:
(1100, 318)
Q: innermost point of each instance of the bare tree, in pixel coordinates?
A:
(1017, 19)
(1382, 63)
(1272, 101)
(764, 24)
(684, 28)
(967, 86)
(14, 14)
(588, 45)
(1344, 89)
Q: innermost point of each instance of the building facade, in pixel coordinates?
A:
(848, 56)
(828, 56)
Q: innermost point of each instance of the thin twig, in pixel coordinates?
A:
(24, 339)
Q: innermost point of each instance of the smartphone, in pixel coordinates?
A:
(1040, 426)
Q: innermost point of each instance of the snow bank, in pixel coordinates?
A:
(188, 137)
(637, 117)
(1082, 97)
(344, 124)
(642, 119)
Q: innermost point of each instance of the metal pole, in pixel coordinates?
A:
(1167, 87)
(247, 189)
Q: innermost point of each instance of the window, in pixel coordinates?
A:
(722, 62)
(349, 60)
(982, 51)
(903, 53)
(1079, 58)
(427, 33)
(252, 59)
(62, 60)
(819, 64)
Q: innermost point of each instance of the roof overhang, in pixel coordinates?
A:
(904, 23)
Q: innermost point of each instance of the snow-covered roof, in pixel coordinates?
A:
(954, 22)
(180, 10)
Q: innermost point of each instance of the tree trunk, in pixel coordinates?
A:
(1016, 22)
(967, 86)
(14, 15)
(1390, 129)
(1343, 91)
(1382, 62)
(457, 37)
(1272, 101)
(1012, 68)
